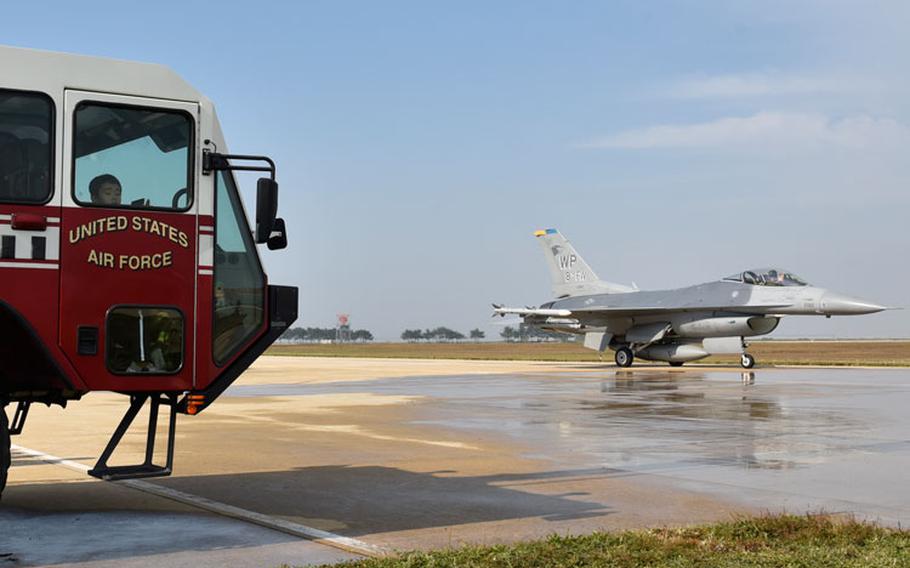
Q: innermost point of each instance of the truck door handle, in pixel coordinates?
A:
(29, 222)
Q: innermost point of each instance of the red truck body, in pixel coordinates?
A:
(127, 262)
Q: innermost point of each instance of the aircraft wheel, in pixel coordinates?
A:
(5, 458)
(747, 361)
(624, 357)
(676, 363)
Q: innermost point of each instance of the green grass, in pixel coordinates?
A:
(785, 540)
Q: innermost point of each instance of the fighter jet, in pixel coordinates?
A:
(679, 325)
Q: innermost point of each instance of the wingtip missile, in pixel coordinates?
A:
(499, 310)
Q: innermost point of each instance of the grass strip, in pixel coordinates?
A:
(779, 540)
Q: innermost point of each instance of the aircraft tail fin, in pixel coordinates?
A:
(569, 273)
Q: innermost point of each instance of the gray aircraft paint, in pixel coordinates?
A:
(671, 325)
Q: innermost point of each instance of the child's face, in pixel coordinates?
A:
(108, 194)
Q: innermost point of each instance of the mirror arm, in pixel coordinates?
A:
(213, 161)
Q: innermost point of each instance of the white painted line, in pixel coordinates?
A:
(295, 529)
(51, 459)
(29, 265)
(281, 525)
(205, 273)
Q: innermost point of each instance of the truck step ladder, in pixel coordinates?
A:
(147, 468)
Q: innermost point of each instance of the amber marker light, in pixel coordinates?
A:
(193, 402)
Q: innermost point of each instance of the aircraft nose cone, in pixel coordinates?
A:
(840, 305)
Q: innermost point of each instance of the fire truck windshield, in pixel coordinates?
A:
(239, 292)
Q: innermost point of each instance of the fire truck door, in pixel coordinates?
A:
(128, 241)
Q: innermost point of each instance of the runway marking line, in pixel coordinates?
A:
(288, 527)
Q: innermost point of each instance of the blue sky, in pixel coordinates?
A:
(420, 144)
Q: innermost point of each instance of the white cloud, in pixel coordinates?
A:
(764, 84)
(769, 130)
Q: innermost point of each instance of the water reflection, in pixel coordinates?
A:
(652, 417)
(640, 420)
(690, 396)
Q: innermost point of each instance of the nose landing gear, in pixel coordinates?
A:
(747, 361)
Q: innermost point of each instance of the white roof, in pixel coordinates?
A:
(52, 72)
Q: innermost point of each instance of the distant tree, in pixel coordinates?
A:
(534, 333)
(509, 333)
(440, 333)
(361, 335)
(314, 334)
(411, 335)
(477, 334)
(320, 334)
(293, 334)
(443, 333)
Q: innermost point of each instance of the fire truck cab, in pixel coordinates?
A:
(127, 263)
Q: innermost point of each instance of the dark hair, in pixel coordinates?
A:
(96, 183)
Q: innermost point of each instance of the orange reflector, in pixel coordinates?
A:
(193, 402)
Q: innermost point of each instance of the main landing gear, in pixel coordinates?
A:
(624, 357)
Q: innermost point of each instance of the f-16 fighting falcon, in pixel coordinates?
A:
(676, 326)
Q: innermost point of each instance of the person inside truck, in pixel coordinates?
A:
(105, 190)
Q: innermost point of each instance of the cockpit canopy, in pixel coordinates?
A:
(767, 277)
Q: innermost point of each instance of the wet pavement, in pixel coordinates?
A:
(420, 454)
(834, 440)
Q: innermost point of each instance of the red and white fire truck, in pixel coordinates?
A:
(126, 260)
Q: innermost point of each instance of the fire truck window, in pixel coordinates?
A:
(132, 157)
(26, 123)
(239, 283)
(144, 341)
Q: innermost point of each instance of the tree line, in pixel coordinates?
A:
(441, 333)
(531, 333)
(323, 334)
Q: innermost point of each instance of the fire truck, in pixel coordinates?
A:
(127, 262)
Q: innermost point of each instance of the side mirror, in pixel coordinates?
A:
(266, 208)
(279, 237)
